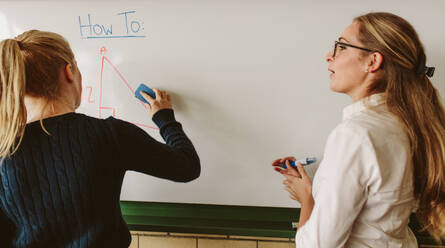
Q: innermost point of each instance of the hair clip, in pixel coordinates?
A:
(423, 69)
(429, 71)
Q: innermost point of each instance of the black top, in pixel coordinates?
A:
(63, 189)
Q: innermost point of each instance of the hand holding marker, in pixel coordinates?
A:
(303, 162)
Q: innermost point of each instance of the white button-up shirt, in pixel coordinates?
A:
(363, 189)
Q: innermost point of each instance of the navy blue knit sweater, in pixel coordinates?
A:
(63, 189)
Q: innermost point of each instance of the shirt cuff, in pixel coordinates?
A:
(164, 117)
(299, 237)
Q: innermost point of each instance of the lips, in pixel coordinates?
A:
(332, 72)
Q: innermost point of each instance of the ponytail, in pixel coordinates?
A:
(29, 64)
(12, 91)
(423, 116)
(412, 98)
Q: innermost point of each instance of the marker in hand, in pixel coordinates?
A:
(303, 162)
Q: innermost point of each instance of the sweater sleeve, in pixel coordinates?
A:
(176, 160)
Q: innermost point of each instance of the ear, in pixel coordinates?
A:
(375, 62)
(68, 72)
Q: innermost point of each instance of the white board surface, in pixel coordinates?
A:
(248, 78)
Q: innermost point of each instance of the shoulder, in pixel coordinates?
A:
(106, 129)
(107, 122)
(352, 130)
(364, 144)
(374, 125)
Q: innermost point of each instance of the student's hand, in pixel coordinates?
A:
(162, 101)
(278, 166)
(299, 187)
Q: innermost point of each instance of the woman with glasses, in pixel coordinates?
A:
(386, 159)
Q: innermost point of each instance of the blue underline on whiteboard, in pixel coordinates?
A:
(109, 37)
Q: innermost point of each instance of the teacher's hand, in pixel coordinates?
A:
(280, 161)
(299, 187)
(162, 101)
(278, 166)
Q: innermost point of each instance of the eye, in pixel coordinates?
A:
(342, 47)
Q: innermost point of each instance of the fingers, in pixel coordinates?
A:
(292, 170)
(277, 162)
(280, 170)
(302, 171)
(278, 166)
(290, 190)
(291, 158)
(161, 94)
(147, 97)
(292, 193)
(148, 107)
(290, 179)
(281, 161)
(157, 93)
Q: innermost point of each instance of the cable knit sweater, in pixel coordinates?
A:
(63, 189)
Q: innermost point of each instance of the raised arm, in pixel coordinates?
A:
(176, 160)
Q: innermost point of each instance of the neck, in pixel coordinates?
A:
(360, 93)
(39, 108)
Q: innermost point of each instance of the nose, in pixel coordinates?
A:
(329, 57)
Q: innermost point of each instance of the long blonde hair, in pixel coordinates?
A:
(414, 100)
(29, 64)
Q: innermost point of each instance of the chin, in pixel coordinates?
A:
(333, 87)
(76, 105)
(336, 87)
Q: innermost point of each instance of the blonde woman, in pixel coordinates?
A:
(61, 172)
(386, 158)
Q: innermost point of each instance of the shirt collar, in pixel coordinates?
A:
(370, 101)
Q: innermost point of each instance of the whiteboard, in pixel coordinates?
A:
(248, 78)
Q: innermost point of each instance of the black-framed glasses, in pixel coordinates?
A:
(338, 43)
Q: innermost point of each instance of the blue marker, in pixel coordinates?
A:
(146, 89)
(303, 162)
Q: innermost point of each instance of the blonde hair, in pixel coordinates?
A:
(414, 100)
(29, 64)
